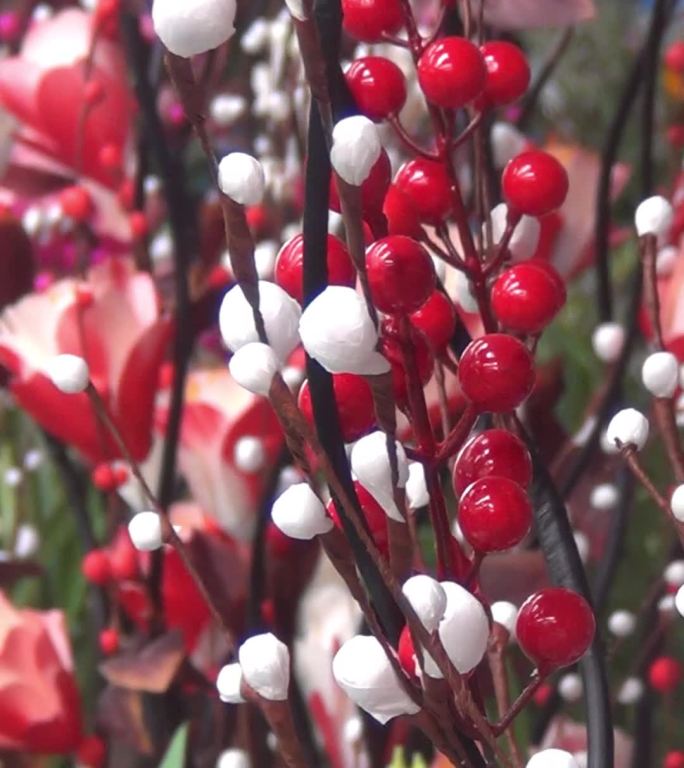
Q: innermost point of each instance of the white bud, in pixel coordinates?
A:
(233, 758)
(370, 462)
(660, 374)
(193, 26)
(674, 573)
(26, 541)
(265, 663)
(279, 311)
(226, 108)
(679, 601)
(653, 217)
(622, 623)
(607, 341)
(228, 684)
(69, 373)
(33, 459)
(299, 513)
(666, 605)
(417, 494)
(145, 530)
(505, 614)
(630, 427)
(337, 331)
(353, 730)
(249, 454)
(362, 670)
(523, 242)
(464, 630)
(666, 259)
(241, 177)
(604, 496)
(13, 477)
(255, 37)
(507, 142)
(355, 149)
(570, 687)
(254, 366)
(630, 691)
(552, 758)
(677, 503)
(264, 259)
(161, 248)
(427, 598)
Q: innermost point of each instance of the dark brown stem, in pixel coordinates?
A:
(497, 666)
(519, 704)
(455, 439)
(408, 142)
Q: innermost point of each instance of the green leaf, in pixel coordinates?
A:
(175, 754)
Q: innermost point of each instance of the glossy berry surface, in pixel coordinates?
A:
(400, 213)
(369, 20)
(555, 627)
(534, 183)
(494, 514)
(109, 641)
(95, 567)
(508, 73)
(354, 401)
(289, 266)
(377, 85)
(496, 372)
(374, 514)
(427, 186)
(451, 72)
(76, 203)
(407, 652)
(527, 296)
(492, 452)
(436, 320)
(674, 760)
(401, 275)
(373, 189)
(665, 674)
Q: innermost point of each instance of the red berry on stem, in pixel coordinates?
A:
(406, 652)
(665, 674)
(427, 186)
(95, 567)
(496, 372)
(451, 72)
(104, 478)
(111, 158)
(377, 85)
(76, 203)
(508, 73)
(555, 627)
(527, 296)
(534, 183)
(138, 223)
(369, 20)
(109, 641)
(674, 760)
(373, 188)
(402, 217)
(492, 452)
(436, 320)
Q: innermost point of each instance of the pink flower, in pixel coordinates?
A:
(112, 319)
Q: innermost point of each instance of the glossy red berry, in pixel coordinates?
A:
(406, 652)
(92, 752)
(665, 674)
(674, 56)
(95, 567)
(104, 478)
(354, 401)
(527, 296)
(289, 266)
(494, 514)
(76, 203)
(508, 73)
(373, 188)
(427, 186)
(402, 217)
(109, 641)
(534, 183)
(496, 372)
(375, 516)
(138, 224)
(369, 20)
(436, 320)
(401, 275)
(555, 627)
(674, 760)
(377, 85)
(451, 72)
(492, 452)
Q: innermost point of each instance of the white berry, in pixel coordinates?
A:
(677, 503)
(607, 341)
(254, 366)
(191, 27)
(228, 684)
(622, 623)
(653, 217)
(427, 598)
(69, 373)
(145, 530)
(370, 462)
(299, 513)
(265, 663)
(552, 758)
(241, 177)
(629, 427)
(355, 149)
(660, 374)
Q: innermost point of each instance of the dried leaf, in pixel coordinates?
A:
(150, 669)
(121, 715)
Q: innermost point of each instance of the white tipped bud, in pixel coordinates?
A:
(255, 38)
(464, 630)
(26, 541)
(427, 598)
(660, 374)
(33, 459)
(355, 149)
(241, 177)
(233, 758)
(280, 313)
(13, 477)
(674, 574)
(507, 142)
(607, 341)
(337, 331)
(653, 217)
(622, 623)
(677, 503)
(370, 462)
(523, 242)
(417, 494)
(69, 373)
(552, 758)
(604, 496)
(630, 427)
(679, 601)
(630, 691)
(505, 614)
(666, 260)
(193, 26)
(145, 530)
(265, 663)
(249, 454)
(226, 108)
(570, 687)
(362, 670)
(254, 366)
(228, 684)
(299, 513)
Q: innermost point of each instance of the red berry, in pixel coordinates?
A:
(375, 516)
(674, 760)
(354, 401)
(494, 514)
(401, 275)
(289, 266)
(492, 452)
(436, 320)
(278, 544)
(675, 136)
(534, 183)
(391, 348)
(109, 641)
(665, 674)
(406, 652)
(377, 85)
(674, 56)
(427, 186)
(555, 627)
(95, 567)
(496, 372)
(373, 188)
(542, 694)
(76, 203)
(104, 478)
(91, 752)
(84, 295)
(527, 296)
(93, 91)
(402, 217)
(451, 72)
(110, 157)
(508, 73)
(369, 20)
(138, 224)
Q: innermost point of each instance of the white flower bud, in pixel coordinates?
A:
(630, 691)
(13, 477)
(570, 687)
(660, 374)
(233, 758)
(193, 26)
(370, 462)
(622, 623)
(679, 601)
(265, 663)
(228, 684)
(299, 513)
(364, 673)
(607, 341)
(630, 427)
(507, 142)
(145, 530)
(355, 149)
(666, 605)
(552, 758)
(677, 503)
(604, 496)
(33, 459)
(523, 242)
(417, 494)
(674, 573)
(226, 108)
(249, 454)
(427, 598)
(505, 614)
(254, 366)
(69, 373)
(653, 217)
(26, 541)
(255, 38)
(241, 177)
(464, 630)
(280, 313)
(666, 259)
(337, 331)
